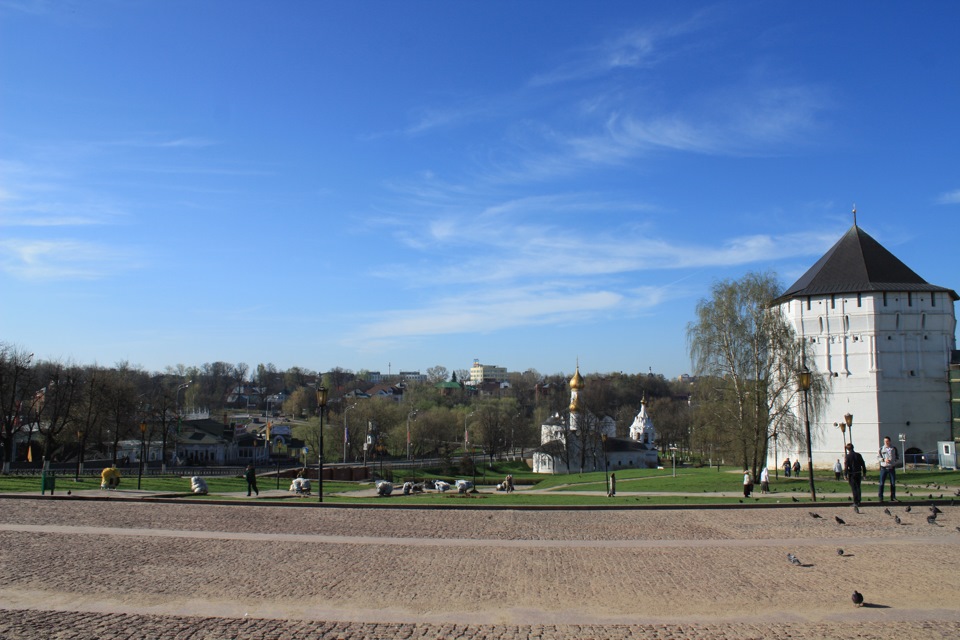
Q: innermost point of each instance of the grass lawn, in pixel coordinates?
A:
(698, 484)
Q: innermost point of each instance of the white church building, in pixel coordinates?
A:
(583, 442)
(884, 337)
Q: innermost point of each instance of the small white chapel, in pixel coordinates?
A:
(581, 441)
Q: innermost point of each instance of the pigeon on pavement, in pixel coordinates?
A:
(887, 511)
(908, 509)
(839, 520)
(815, 515)
(839, 552)
(896, 519)
(857, 598)
(932, 519)
(793, 559)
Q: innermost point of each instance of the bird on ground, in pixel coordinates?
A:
(934, 510)
(793, 559)
(857, 598)
(794, 499)
(908, 509)
(897, 519)
(932, 519)
(887, 511)
(839, 552)
(815, 515)
(839, 520)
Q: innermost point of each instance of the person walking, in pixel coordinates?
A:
(854, 468)
(764, 480)
(786, 468)
(838, 470)
(747, 483)
(796, 468)
(251, 476)
(889, 459)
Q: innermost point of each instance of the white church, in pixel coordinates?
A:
(884, 337)
(584, 442)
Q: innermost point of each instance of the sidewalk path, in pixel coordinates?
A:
(82, 569)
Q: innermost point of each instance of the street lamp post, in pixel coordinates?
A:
(143, 439)
(79, 454)
(176, 402)
(321, 404)
(903, 455)
(776, 455)
(346, 437)
(806, 379)
(848, 420)
(673, 455)
(842, 425)
(606, 469)
(409, 415)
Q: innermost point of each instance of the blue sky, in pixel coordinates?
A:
(400, 185)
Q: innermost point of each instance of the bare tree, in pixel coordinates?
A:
(748, 358)
(437, 374)
(16, 390)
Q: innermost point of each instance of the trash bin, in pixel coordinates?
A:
(48, 482)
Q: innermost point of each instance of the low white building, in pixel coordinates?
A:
(582, 442)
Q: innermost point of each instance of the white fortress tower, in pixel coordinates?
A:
(884, 336)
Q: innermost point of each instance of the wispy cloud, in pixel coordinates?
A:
(36, 197)
(635, 48)
(950, 197)
(44, 260)
(193, 143)
(516, 269)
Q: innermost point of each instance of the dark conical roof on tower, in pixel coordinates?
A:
(858, 263)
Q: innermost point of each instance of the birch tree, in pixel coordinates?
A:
(748, 359)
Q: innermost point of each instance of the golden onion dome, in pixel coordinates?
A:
(576, 382)
(575, 405)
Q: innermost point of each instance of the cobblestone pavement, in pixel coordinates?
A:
(115, 570)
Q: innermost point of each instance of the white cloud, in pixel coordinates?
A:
(45, 260)
(950, 197)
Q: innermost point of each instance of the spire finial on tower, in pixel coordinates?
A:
(854, 214)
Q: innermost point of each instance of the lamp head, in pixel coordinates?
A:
(848, 418)
(805, 378)
(321, 396)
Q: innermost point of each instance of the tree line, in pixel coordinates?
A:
(743, 400)
(68, 410)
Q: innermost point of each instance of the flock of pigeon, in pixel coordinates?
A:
(857, 597)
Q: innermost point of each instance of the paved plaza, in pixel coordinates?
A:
(119, 569)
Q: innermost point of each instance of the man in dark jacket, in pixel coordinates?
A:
(854, 469)
(251, 476)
